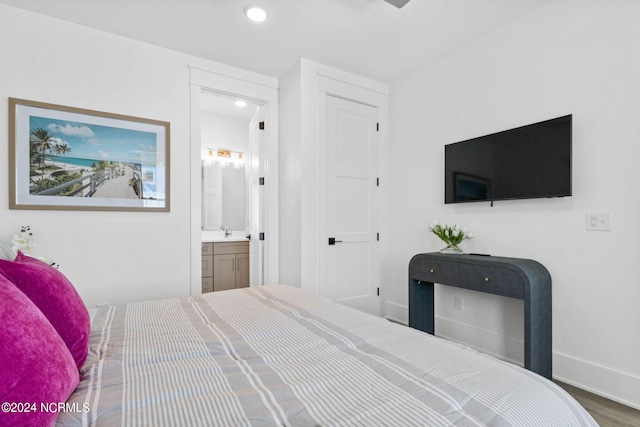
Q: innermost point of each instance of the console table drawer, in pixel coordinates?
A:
(435, 271)
(496, 280)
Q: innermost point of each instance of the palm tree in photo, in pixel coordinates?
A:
(63, 149)
(43, 142)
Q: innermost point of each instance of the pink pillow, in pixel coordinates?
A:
(56, 297)
(35, 364)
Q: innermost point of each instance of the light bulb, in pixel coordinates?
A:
(255, 13)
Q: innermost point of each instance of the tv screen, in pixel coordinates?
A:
(527, 162)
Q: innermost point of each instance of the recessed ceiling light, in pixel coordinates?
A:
(241, 104)
(256, 13)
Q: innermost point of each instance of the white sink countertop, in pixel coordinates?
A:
(218, 236)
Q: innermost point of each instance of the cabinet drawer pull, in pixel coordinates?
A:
(432, 270)
(486, 279)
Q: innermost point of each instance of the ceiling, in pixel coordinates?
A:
(223, 105)
(367, 37)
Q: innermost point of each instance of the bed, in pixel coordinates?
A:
(277, 355)
(261, 356)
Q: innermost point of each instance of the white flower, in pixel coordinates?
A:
(452, 235)
(23, 241)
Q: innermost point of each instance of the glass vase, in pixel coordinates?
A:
(451, 248)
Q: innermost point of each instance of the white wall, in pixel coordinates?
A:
(290, 174)
(579, 57)
(109, 256)
(224, 132)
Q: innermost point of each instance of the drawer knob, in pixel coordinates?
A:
(432, 270)
(486, 279)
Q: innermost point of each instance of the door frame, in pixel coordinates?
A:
(341, 85)
(261, 90)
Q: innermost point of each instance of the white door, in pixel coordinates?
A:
(352, 159)
(256, 198)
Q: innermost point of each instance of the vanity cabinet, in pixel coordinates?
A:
(225, 265)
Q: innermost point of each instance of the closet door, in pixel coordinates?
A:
(352, 159)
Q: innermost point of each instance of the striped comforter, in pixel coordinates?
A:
(276, 355)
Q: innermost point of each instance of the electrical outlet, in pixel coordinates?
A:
(598, 221)
(458, 302)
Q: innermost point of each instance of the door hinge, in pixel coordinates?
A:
(261, 236)
(377, 182)
(378, 291)
(261, 125)
(377, 127)
(378, 237)
(261, 180)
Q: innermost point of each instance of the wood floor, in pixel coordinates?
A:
(607, 413)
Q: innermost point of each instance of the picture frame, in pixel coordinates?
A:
(68, 158)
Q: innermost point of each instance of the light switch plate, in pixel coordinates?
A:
(598, 221)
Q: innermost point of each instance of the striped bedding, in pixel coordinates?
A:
(276, 355)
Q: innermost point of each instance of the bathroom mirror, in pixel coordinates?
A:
(223, 197)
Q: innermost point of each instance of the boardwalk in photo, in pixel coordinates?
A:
(118, 186)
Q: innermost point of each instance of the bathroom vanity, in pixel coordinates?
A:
(225, 263)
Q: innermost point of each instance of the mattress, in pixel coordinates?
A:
(277, 355)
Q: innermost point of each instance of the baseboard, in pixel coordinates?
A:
(621, 387)
(395, 312)
(499, 346)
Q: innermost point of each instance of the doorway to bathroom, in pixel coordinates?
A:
(234, 178)
(232, 140)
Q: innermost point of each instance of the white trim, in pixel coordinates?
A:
(351, 92)
(196, 195)
(261, 89)
(610, 383)
(395, 312)
(346, 77)
(499, 346)
(224, 77)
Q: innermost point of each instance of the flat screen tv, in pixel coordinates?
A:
(528, 162)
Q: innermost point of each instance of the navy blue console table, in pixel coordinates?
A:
(523, 279)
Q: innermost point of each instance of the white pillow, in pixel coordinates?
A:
(6, 252)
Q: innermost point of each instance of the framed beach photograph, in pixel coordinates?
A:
(75, 159)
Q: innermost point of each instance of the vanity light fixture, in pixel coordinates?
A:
(224, 157)
(256, 13)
